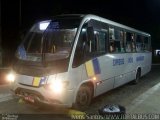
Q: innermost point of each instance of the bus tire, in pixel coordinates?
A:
(84, 97)
(138, 75)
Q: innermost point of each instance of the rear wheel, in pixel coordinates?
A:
(84, 97)
(138, 75)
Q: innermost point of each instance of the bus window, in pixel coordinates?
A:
(140, 43)
(116, 40)
(99, 42)
(122, 41)
(97, 46)
(146, 43)
(130, 42)
(112, 47)
(81, 48)
(142, 38)
(133, 42)
(111, 34)
(89, 48)
(111, 40)
(102, 41)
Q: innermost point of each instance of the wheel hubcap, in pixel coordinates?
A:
(83, 98)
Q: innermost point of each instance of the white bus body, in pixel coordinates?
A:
(93, 66)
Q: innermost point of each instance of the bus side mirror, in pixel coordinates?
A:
(90, 33)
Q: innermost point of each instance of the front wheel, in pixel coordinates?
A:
(84, 97)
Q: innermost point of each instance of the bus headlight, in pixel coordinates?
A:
(57, 86)
(10, 77)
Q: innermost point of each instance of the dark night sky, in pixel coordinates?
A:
(140, 14)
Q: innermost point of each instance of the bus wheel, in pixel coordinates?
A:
(84, 97)
(138, 75)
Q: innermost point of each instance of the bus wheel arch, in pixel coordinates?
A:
(138, 75)
(84, 95)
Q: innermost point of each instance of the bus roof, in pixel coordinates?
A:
(110, 22)
(90, 16)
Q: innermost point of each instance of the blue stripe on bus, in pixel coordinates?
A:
(96, 66)
(42, 81)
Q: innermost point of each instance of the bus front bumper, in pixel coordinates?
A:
(37, 98)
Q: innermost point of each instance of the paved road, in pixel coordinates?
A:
(124, 95)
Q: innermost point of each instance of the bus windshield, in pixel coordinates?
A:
(58, 41)
(49, 40)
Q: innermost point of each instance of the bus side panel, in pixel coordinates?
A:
(75, 76)
(115, 70)
(124, 68)
(107, 75)
(103, 82)
(104, 86)
(147, 63)
(143, 61)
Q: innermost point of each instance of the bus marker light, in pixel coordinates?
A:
(94, 78)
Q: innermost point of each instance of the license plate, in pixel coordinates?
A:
(29, 98)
